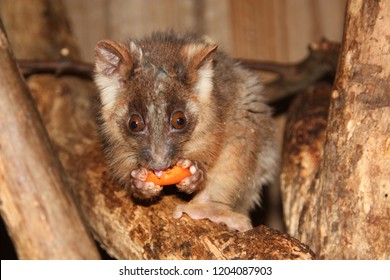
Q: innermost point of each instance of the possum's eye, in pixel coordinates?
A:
(178, 120)
(135, 123)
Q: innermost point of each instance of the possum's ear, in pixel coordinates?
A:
(197, 60)
(113, 59)
(196, 55)
(114, 63)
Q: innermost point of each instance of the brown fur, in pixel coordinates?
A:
(229, 136)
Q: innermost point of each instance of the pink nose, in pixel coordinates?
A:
(159, 166)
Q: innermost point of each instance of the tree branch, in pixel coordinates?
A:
(56, 67)
(292, 78)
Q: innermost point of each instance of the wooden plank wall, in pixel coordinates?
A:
(278, 30)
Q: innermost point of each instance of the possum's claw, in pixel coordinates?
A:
(191, 183)
(142, 189)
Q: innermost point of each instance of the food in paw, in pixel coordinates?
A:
(170, 176)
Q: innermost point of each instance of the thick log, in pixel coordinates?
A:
(36, 204)
(347, 211)
(302, 152)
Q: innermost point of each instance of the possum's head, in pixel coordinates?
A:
(156, 99)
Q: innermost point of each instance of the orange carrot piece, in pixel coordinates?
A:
(170, 176)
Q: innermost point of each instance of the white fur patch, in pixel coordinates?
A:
(109, 89)
(110, 62)
(204, 85)
(136, 50)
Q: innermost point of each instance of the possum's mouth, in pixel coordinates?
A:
(158, 173)
(169, 176)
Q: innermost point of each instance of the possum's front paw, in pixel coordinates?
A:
(142, 189)
(215, 213)
(191, 183)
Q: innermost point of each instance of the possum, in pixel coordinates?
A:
(175, 99)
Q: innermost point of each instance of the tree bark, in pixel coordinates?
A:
(35, 201)
(302, 152)
(347, 211)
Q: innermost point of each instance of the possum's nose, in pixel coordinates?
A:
(159, 158)
(159, 165)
